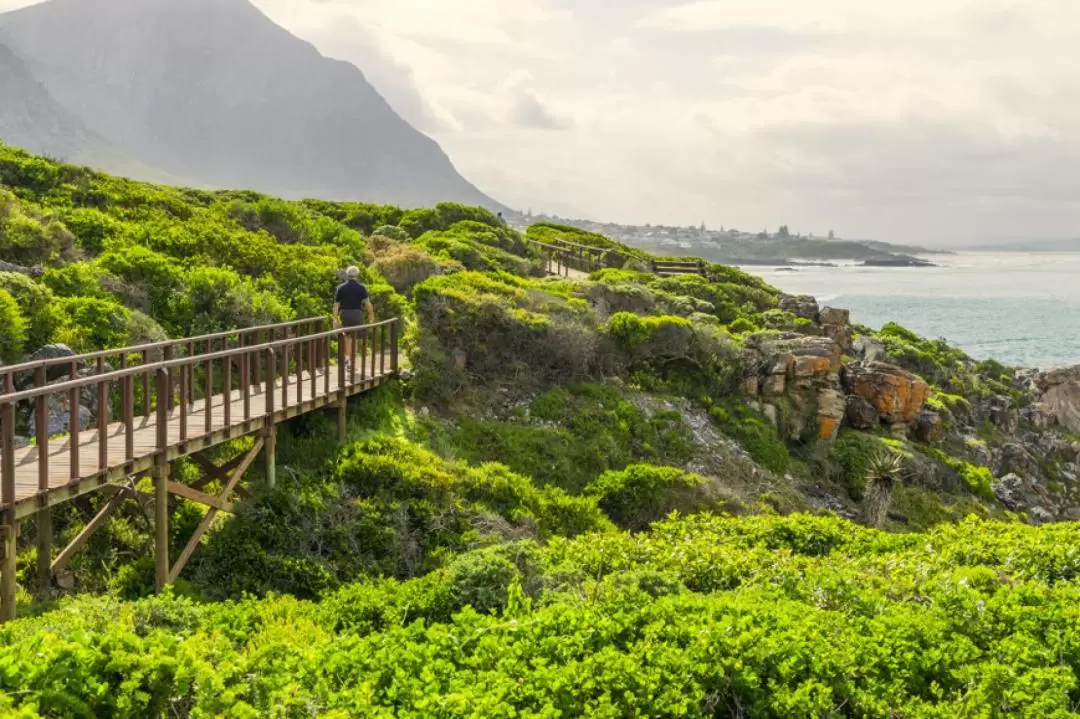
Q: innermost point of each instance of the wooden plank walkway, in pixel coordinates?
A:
(196, 393)
(315, 392)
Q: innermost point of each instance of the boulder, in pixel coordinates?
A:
(869, 350)
(896, 394)
(929, 427)
(1001, 413)
(803, 306)
(1015, 459)
(1039, 415)
(1061, 396)
(58, 416)
(834, 316)
(25, 380)
(831, 408)
(1009, 490)
(28, 271)
(860, 414)
(834, 322)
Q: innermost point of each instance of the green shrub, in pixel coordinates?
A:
(643, 493)
(12, 329)
(755, 433)
(37, 305)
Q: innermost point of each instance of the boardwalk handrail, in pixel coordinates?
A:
(7, 373)
(82, 382)
(189, 406)
(297, 363)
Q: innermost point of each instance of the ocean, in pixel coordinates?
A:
(1018, 308)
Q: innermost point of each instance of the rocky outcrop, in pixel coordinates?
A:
(835, 325)
(896, 394)
(860, 414)
(29, 271)
(929, 427)
(803, 306)
(1061, 396)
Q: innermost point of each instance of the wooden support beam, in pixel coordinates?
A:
(7, 571)
(270, 455)
(161, 524)
(195, 495)
(196, 537)
(92, 526)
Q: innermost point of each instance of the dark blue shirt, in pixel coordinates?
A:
(351, 295)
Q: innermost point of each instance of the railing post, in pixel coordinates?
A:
(270, 429)
(103, 424)
(43, 518)
(161, 522)
(271, 373)
(9, 525)
(343, 392)
(394, 346)
(164, 389)
(74, 424)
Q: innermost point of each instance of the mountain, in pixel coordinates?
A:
(213, 91)
(37, 122)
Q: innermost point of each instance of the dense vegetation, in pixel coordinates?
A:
(568, 508)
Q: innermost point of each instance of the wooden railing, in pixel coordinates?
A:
(561, 255)
(38, 372)
(269, 370)
(670, 268)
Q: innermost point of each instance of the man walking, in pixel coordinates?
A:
(350, 303)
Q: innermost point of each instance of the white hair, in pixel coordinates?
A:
(353, 271)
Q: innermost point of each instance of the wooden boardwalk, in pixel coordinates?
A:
(192, 395)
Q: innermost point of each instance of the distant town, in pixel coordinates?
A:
(732, 245)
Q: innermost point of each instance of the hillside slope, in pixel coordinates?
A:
(618, 495)
(213, 91)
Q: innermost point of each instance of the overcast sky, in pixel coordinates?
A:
(937, 121)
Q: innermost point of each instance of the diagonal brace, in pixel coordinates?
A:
(196, 537)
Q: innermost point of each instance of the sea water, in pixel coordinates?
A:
(1018, 308)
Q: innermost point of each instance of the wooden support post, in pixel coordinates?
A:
(343, 392)
(43, 518)
(270, 454)
(161, 524)
(9, 524)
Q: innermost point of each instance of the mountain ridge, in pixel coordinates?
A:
(219, 94)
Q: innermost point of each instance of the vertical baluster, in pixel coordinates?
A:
(383, 329)
(10, 524)
(299, 370)
(226, 382)
(146, 385)
(74, 424)
(208, 391)
(363, 355)
(271, 371)
(285, 376)
(129, 416)
(313, 367)
(103, 424)
(167, 397)
(245, 382)
(185, 406)
(189, 368)
(41, 429)
(326, 364)
(164, 390)
(394, 347)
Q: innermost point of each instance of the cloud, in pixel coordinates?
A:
(929, 120)
(529, 111)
